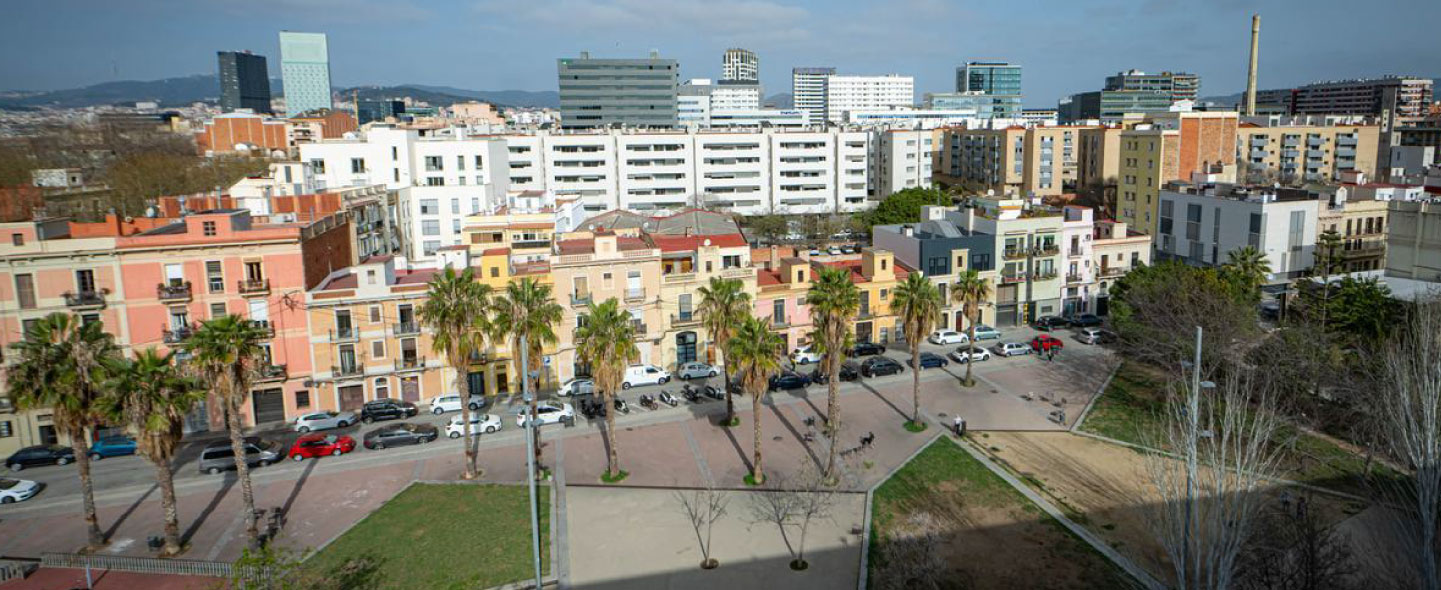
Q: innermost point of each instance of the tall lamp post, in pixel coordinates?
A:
(1193, 434)
(527, 395)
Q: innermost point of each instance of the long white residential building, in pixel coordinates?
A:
(867, 93)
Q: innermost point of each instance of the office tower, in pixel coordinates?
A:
(859, 93)
(808, 92)
(244, 82)
(991, 78)
(305, 70)
(1177, 86)
(631, 92)
(740, 64)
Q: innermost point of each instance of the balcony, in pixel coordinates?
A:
(1346, 141)
(1073, 278)
(865, 313)
(635, 294)
(679, 277)
(581, 300)
(84, 299)
(346, 334)
(176, 335)
(780, 322)
(530, 244)
(1258, 153)
(1108, 272)
(737, 273)
(1345, 152)
(638, 327)
(684, 319)
(1009, 279)
(347, 370)
(268, 372)
(1364, 249)
(414, 363)
(1014, 253)
(405, 328)
(1315, 154)
(173, 293)
(264, 325)
(253, 286)
(1044, 275)
(1047, 250)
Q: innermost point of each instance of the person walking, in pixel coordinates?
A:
(959, 425)
(1051, 353)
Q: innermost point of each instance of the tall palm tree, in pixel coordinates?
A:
(60, 366)
(918, 303)
(607, 343)
(226, 352)
(1249, 266)
(152, 398)
(834, 302)
(527, 309)
(757, 354)
(971, 291)
(723, 306)
(457, 312)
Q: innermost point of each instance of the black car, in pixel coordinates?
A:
(789, 380)
(396, 435)
(930, 360)
(1051, 322)
(1085, 320)
(867, 349)
(40, 455)
(881, 365)
(850, 371)
(387, 409)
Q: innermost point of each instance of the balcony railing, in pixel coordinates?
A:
(169, 293)
(865, 313)
(737, 273)
(347, 334)
(253, 286)
(1013, 278)
(634, 294)
(678, 277)
(1047, 250)
(176, 335)
(638, 327)
(85, 299)
(1072, 278)
(345, 370)
(265, 326)
(1112, 271)
(780, 322)
(1043, 275)
(684, 319)
(268, 372)
(410, 364)
(580, 300)
(1013, 253)
(405, 328)
(527, 244)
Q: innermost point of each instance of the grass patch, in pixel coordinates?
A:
(609, 477)
(418, 537)
(732, 423)
(913, 426)
(751, 480)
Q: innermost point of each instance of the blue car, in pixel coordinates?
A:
(931, 360)
(112, 446)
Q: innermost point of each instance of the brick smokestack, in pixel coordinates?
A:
(1251, 76)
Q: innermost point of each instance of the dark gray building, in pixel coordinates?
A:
(941, 250)
(609, 92)
(244, 82)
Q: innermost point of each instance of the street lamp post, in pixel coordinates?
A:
(527, 395)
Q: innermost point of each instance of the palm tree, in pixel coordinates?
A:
(153, 398)
(1249, 267)
(918, 303)
(971, 291)
(834, 302)
(527, 309)
(607, 343)
(723, 305)
(227, 353)
(456, 312)
(757, 352)
(60, 366)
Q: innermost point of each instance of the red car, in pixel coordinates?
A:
(318, 445)
(1046, 342)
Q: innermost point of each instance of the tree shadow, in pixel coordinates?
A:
(295, 491)
(209, 509)
(899, 412)
(736, 443)
(115, 526)
(796, 433)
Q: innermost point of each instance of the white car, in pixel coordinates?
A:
(324, 421)
(696, 370)
(805, 355)
(577, 386)
(479, 424)
(964, 355)
(17, 490)
(547, 413)
(1012, 348)
(450, 402)
(984, 332)
(948, 337)
(644, 375)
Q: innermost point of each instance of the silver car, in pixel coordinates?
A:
(324, 420)
(577, 386)
(696, 370)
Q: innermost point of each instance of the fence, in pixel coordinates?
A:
(143, 565)
(11, 569)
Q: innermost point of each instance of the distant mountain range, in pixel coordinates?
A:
(783, 100)
(182, 91)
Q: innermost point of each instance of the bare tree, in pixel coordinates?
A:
(1209, 501)
(1294, 548)
(702, 507)
(910, 556)
(798, 501)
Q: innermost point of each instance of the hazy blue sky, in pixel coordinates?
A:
(1065, 45)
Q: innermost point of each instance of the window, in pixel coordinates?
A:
(357, 165)
(455, 206)
(434, 181)
(580, 288)
(302, 398)
(430, 227)
(25, 290)
(7, 429)
(430, 246)
(494, 272)
(214, 277)
(253, 271)
(460, 162)
(375, 314)
(217, 311)
(478, 163)
(434, 164)
(382, 388)
(731, 261)
(429, 207)
(208, 227)
(778, 312)
(1193, 222)
(377, 349)
(1254, 236)
(85, 281)
(1297, 230)
(394, 153)
(475, 203)
(318, 165)
(17, 239)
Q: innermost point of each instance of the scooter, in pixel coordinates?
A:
(668, 399)
(691, 394)
(647, 402)
(592, 409)
(621, 406)
(713, 392)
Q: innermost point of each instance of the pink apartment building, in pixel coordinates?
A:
(781, 287)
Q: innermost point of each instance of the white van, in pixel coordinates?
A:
(644, 375)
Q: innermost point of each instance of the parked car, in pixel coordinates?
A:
(547, 413)
(1045, 342)
(387, 409)
(833, 251)
(805, 355)
(1094, 336)
(867, 349)
(789, 380)
(40, 455)
(850, 371)
(17, 490)
(696, 370)
(310, 446)
(404, 433)
(450, 402)
(1011, 348)
(1050, 322)
(479, 424)
(1086, 320)
(644, 375)
(112, 446)
(966, 354)
(931, 360)
(881, 365)
(577, 386)
(218, 456)
(948, 337)
(324, 420)
(984, 332)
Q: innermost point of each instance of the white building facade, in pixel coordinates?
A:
(1202, 224)
(867, 93)
(903, 160)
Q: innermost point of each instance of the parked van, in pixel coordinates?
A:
(644, 375)
(218, 457)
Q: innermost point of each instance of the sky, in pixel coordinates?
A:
(1065, 46)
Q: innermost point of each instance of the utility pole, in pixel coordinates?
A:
(1193, 403)
(530, 427)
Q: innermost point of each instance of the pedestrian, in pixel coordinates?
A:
(958, 424)
(1051, 354)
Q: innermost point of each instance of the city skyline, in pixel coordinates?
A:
(489, 47)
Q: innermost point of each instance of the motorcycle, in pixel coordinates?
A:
(621, 406)
(592, 409)
(647, 402)
(691, 394)
(668, 399)
(713, 393)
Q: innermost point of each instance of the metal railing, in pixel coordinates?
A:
(634, 294)
(265, 326)
(1047, 250)
(270, 372)
(148, 565)
(680, 319)
(405, 328)
(169, 292)
(11, 569)
(1015, 278)
(348, 370)
(176, 335)
(84, 298)
(410, 364)
(253, 286)
(679, 277)
(1014, 253)
(348, 334)
(1112, 271)
(1043, 275)
(638, 327)
(580, 300)
(1075, 278)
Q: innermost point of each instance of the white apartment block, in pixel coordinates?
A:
(735, 96)
(904, 160)
(1201, 224)
(431, 218)
(1078, 275)
(808, 92)
(401, 158)
(867, 93)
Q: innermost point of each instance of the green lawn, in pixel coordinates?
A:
(445, 536)
(996, 537)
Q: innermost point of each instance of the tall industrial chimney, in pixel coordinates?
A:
(1251, 76)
